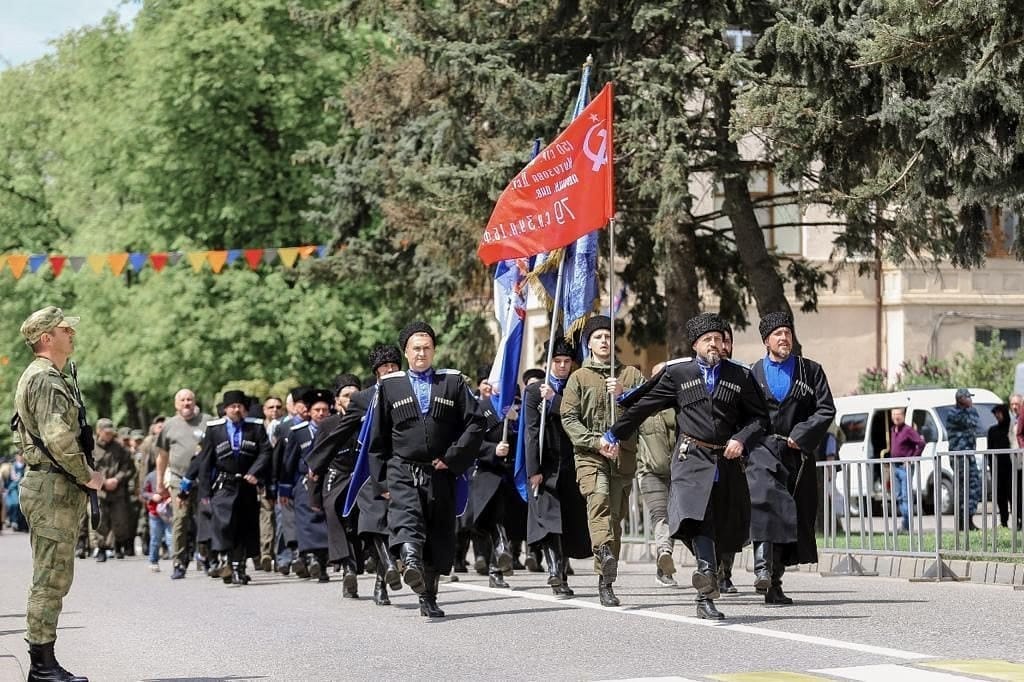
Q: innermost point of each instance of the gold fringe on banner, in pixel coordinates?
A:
(550, 265)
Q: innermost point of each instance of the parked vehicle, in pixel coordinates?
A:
(864, 425)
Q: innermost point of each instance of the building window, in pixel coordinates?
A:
(1002, 229)
(780, 224)
(1011, 338)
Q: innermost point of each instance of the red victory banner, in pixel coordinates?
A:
(565, 192)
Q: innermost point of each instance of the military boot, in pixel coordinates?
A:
(553, 557)
(775, 596)
(349, 583)
(45, 668)
(501, 558)
(497, 579)
(725, 563)
(605, 592)
(386, 563)
(706, 608)
(414, 574)
(428, 599)
(314, 567)
(533, 561)
(705, 577)
(380, 590)
(763, 560)
(608, 563)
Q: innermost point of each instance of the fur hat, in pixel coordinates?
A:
(533, 373)
(382, 354)
(563, 348)
(772, 321)
(594, 324)
(417, 327)
(700, 325)
(235, 396)
(318, 395)
(343, 380)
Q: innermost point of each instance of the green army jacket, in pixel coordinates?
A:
(585, 410)
(47, 408)
(657, 439)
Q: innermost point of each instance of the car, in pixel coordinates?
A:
(863, 424)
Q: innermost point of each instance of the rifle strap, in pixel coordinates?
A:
(38, 442)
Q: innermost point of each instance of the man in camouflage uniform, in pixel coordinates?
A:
(962, 428)
(117, 527)
(52, 502)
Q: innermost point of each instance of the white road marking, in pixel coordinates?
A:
(688, 620)
(889, 671)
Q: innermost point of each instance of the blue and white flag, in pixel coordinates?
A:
(361, 472)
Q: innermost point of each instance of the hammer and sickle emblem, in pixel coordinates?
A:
(599, 158)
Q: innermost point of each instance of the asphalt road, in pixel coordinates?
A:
(122, 622)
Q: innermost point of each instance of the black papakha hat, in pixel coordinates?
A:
(483, 372)
(533, 373)
(564, 348)
(235, 396)
(700, 325)
(772, 321)
(318, 395)
(594, 324)
(417, 327)
(343, 380)
(382, 354)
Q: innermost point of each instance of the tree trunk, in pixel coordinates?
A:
(761, 267)
(104, 401)
(682, 296)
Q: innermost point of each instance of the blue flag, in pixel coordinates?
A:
(519, 475)
(361, 472)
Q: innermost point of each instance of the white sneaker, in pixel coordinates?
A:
(154, 568)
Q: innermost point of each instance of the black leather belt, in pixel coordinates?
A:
(45, 468)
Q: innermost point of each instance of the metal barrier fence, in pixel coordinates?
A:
(924, 507)
(888, 507)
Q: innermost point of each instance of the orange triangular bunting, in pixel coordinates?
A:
(288, 255)
(196, 258)
(96, 262)
(17, 262)
(217, 259)
(306, 251)
(117, 261)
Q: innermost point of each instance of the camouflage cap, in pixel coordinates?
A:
(45, 320)
(124, 432)
(104, 424)
(137, 434)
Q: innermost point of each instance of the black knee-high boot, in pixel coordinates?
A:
(763, 560)
(428, 600)
(385, 561)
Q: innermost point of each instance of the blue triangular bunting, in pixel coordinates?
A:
(35, 261)
(138, 260)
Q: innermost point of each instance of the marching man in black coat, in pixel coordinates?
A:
(427, 431)
(557, 520)
(234, 457)
(720, 413)
(783, 492)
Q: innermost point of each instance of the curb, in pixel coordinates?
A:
(886, 566)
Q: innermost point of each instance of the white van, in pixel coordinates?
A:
(864, 424)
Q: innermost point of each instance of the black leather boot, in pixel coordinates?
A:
(392, 577)
(564, 589)
(775, 596)
(45, 668)
(763, 560)
(428, 600)
(706, 608)
(605, 592)
(725, 562)
(380, 590)
(533, 560)
(349, 584)
(238, 574)
(553, 557)
(705, 577)
(461, 547)
(412, 558)
(608, 563)
(480, 552)
(497, 579)
(501, 558)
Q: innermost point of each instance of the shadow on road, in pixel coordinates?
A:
(484, 614)
(205, 679)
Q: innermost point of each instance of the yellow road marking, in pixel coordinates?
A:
(990, 668)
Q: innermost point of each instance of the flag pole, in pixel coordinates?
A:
(611, 310)
(551, 352)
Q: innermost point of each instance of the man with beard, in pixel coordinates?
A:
(177, 444)
(338, 435)
(427, 431)
(557, 520)
(294, 491)
(116, 465)
(783, 491)
(605, 478)
(235, 455)
(720, 413)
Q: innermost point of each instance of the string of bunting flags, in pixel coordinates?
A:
(20, 263)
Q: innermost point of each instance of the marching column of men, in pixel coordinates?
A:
(375, 478)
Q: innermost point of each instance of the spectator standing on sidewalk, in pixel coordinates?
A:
(904, 442)
(961, 428)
